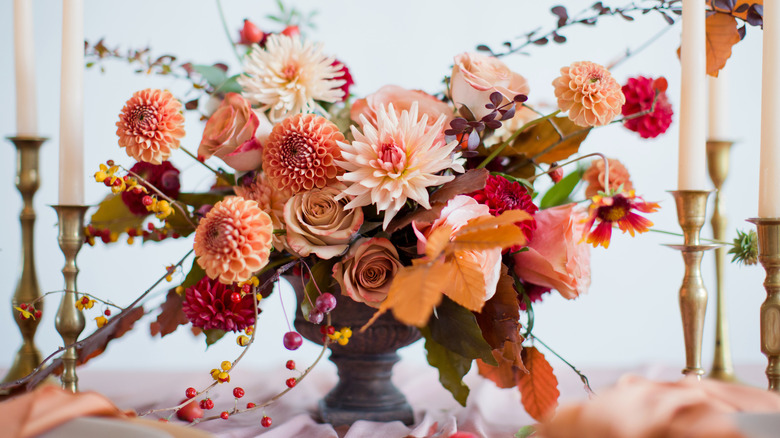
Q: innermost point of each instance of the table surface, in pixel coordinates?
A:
(490, 411)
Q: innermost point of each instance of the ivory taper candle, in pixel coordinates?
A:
(24, 62)
(72, 104)
(691, 172)
(718, 107)
(769, 169)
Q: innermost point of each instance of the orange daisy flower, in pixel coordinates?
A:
(617, 208)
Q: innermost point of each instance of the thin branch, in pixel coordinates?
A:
(583, 377)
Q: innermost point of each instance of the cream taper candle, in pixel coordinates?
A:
(769, 168)
(72, 104)
(692, 162)
(718, 107)
(24, 62)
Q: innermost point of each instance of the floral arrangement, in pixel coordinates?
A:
(422, 205)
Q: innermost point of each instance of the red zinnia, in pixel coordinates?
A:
(501, 195)
(640, 93)
(616, 209)
(164, 177)
(208, 306)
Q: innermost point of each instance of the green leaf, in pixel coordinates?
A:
(194, 276)
(113, 214)
(230, 85)
(322, 274)
(215, 76)
(197, 200)
(213, 335)
(452, 367)
(559, 193)
(525, 432)
(456, 329)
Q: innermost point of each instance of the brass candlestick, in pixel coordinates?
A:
(718, 165)
(70, 320)
(691, 214)
(27, 182)
(769, 256)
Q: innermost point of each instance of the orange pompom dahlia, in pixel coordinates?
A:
(618, 176)
(300, 153)
(150, 125)
(589, 93)
(269, 200)
(233, 240)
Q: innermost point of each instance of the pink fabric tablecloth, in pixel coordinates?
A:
(490, 412)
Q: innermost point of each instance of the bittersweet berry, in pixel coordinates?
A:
(224, 415)
(235, 297)
(250, 405)
(291, 382)
(191, 392)
(266, 421)
(290, 365)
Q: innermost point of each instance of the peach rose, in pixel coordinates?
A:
(458, 211)
(318, 224)
(366, 272)
(555, 256)
(402, 100)
(235, 133)
(475, 77)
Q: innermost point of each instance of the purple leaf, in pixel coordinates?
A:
(473, 141)
(493, 124)
(458, 123)
(755, 15)
(496, 98)
(563, 16)
(508, 114)
(742, 30)
(742, 8)
(520, 98)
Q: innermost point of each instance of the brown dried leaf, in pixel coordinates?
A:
(171, 316)
(539, 388)
(722, 34)
(541, 140)
(500, 322)
(96, 344)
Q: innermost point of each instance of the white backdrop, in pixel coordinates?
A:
(629, 317)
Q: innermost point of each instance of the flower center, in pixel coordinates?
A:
(290, 71)
(143, 118)
(391, 157)
(615, 212)
(297, 153)
(219, 236)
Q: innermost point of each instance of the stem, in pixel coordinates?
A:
(173, 202)
(629, 53)
(671, 233)
(606, 166)
(583, 377)
(227, 31)
(216, 172)
(497, 150)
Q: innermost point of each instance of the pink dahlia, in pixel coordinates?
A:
(163, 176)
(233, 240)
(150, 125)
(396, 160)
(269, 200)
(501, 195)
(208, 305)
(301, 153)
(589, 93)
(640, 93)
(345, 76)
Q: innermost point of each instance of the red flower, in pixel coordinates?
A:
(640, 93)
(535, 294)
(162, 176)
(617, 208)
(208, 306)
(346, 76)
(501, 195)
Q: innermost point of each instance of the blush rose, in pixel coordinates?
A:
(475, 77)
(367, 271)
(402, 100)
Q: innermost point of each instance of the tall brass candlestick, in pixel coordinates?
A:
(769, 256)
(691, 214)
(718, 165)
(27, 182)
(70, 320)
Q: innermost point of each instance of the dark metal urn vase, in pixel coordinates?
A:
(365, 365)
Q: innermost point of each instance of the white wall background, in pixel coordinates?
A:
(630, 315)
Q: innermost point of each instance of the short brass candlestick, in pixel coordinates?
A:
(70, 320)
(691, 214)
(718, 153)
(769, 256)
(27, 182)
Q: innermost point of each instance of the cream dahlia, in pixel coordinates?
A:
(233, 240)
(289, 75)
(300, 153)
(269, 200)
(589, 93)
(150, 125)
(396, 161)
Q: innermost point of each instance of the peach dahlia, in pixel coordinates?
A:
(150, 125)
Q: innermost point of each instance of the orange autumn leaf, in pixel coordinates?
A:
(722, 34)
(437, 242)
(415, 291)
(538, 388)
(503, 236)
(466, 283)
(504, 375)
(489, 222)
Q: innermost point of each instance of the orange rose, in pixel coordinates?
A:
(475, 77)
(555, 256)
(235, 133)
(366, 272)
(402, 100)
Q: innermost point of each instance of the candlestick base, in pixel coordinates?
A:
(769, 256)
(691, 214)
(70, 321)
(27, 182)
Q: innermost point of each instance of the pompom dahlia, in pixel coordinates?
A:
(640, 93)
(301, 153)
(150, 125)
(589, 93)
(501, 195)
(269, 200)
(618, 176)
(289, 75)
(396, 161)
(233, 240)
(163, 176)
(208, 306)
